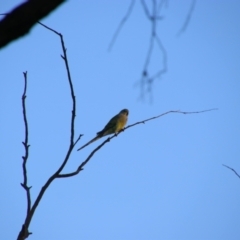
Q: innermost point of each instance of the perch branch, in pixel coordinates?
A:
(80, 167)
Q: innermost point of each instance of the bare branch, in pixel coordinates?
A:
(64, 57)
(72, 127)
(232, 170)
(145, 8)
(148, 57)
(80, 167)
(172, 111)
(20, 21)
(24, 232)
(26, 146)
(79, 137)
(125, 18)
(147, 79)
(188, 18)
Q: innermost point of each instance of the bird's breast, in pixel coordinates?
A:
(121, 122)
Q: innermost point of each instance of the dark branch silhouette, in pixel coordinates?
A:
(20, 20)
(171, 111)
(80, 167)
(24, 233)
(232, 170)
(31, 208)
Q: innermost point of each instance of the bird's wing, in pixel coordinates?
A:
(110, 127)
(94, 139)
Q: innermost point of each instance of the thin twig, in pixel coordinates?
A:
(188, 18)
(172, 111)
(145, 8)
(79, 137)
(80, 167)
(164, 52)
(24, 232)
(64, 57)
(125, 18)
(146, 80)
(149, 79)
(232, 170)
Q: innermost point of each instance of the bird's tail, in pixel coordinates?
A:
(93, 140)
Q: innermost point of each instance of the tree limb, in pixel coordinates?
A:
(20, 20)
(24, 233)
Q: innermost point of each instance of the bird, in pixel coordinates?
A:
(115, 125)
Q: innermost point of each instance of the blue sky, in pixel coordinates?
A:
(160, 180)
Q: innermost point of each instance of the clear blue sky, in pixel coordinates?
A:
(160, 180)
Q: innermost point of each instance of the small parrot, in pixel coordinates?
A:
(115, 125)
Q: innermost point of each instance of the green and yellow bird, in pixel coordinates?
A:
(115, 125)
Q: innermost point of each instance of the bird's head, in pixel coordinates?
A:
(125, 112)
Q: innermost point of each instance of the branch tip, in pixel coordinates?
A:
(231, 170)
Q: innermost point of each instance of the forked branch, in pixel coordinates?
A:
(24, 233)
